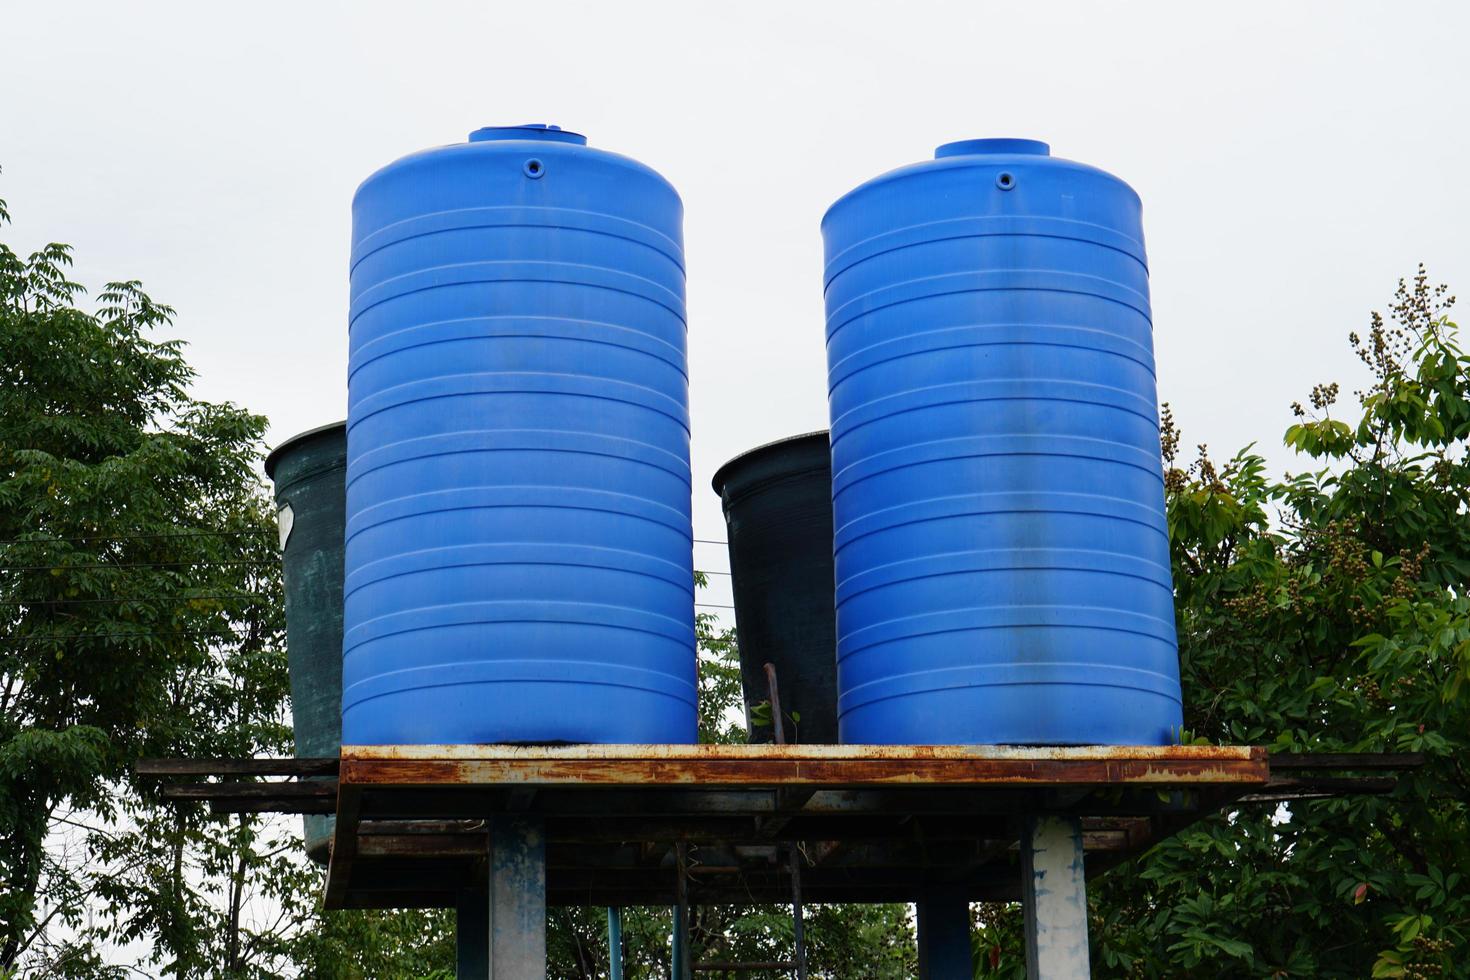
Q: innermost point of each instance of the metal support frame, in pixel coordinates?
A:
(472, 936)
(681, 965)
(944, 934)
(614, 943)
(798, 919)
(1054, 898)
(879, 824)
(517, 898)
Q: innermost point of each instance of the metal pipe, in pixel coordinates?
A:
(680, 967)
(798, 922)
(614, 943)
(777, 722)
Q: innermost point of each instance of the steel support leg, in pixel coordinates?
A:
(681, 962)
(472, 936)
(614, 943)
(798, 916)
(944, 935)
(517, 916)
(1054, 896)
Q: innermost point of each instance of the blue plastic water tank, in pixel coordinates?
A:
(1002, 557)
(519, 556)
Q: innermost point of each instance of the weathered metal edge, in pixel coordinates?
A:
(776, 770)
(743, 752)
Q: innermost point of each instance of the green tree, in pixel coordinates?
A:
(139, 615)
(1324, 611)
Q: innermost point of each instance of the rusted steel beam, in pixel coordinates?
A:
(1321, 787)
(798, 765)
(801, 752)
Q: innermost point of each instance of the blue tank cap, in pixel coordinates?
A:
(964, 148)
(530, 131)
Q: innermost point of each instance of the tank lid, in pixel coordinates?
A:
(530, 131)
(808, 441)
(274, 457)
(964, 148)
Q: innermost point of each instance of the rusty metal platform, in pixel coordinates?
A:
(875, 823)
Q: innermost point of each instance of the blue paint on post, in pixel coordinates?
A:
(1054, 898)
(944, 934)
(472, 936)
(615, 943)
(676, 945)
(517, 899)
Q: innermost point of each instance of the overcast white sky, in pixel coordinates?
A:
(1294, 160)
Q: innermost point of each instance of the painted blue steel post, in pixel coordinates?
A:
(1054, 898)
(615, 942)
(677, 943)
(472, 936)
(944, 934)
(517, 899)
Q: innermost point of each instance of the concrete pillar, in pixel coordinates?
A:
(1054, 897)
(517, 917)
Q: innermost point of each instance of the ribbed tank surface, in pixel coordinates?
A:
(1001, 551)
(777, 500)
(308, 471)
(519, 554)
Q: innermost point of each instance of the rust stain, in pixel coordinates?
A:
(916, 769)
(1167, 754)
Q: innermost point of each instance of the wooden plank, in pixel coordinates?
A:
(326, 766)
(344, 846)
(1321, 787)
(250, 791)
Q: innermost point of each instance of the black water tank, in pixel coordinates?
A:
(311, 500)
(778, 512)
